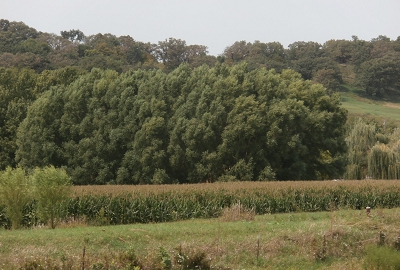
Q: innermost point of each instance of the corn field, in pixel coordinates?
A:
(109, 205)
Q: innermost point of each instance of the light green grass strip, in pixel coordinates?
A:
(381, 111)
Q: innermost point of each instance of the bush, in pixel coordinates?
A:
(382, 258)
(52, 187)
(14, 194)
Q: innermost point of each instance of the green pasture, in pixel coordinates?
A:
(319, 240)
(381, 111)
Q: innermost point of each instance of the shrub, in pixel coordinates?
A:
(381, 257)
(52, 186)
(14, 194)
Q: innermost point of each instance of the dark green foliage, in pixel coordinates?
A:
(16, 93)
(18, 89)
(24, 47)
(380, 75)
(13, 34)
(361, 51)
(186, 120)
(4, 220)
(73, 35)
(340, 51)
(192, 125)
(43, 130)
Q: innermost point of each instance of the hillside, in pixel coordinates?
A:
(383, 112)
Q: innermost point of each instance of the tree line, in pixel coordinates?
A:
(375, 63)
(113, 110)
(187, 126)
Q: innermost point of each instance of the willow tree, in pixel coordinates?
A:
(372, 153)
(384, 159)
(361, 138)
(383, 162)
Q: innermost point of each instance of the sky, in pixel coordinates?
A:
(216, 24)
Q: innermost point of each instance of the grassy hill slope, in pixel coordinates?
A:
(380, 110)
(358, 104)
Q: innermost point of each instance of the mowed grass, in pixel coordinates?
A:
(320, 240)
(381, 111)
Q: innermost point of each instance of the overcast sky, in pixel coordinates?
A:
(213, 23)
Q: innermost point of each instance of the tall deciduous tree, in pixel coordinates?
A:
(73, 35)
(41, 142)
(340, 51)
(238, 51)
(17, 91)
(188, 126)
(13, 33)
(380, 75)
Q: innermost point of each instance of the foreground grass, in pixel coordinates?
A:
(323, 240)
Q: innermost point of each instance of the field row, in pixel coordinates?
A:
(109, 205)
(264, 187)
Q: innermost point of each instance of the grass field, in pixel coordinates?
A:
(321, 240)
(362, 107)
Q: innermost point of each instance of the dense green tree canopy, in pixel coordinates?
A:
(340, 51)
(380, 75)
(18, 89)
(191, 125)
(116, 110)
(24, 47)
(16, 93)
